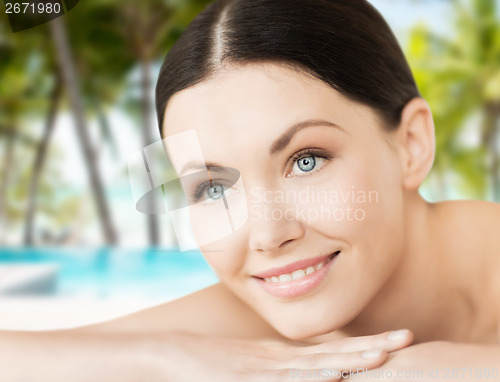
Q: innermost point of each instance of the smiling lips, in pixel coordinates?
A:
(297, 278)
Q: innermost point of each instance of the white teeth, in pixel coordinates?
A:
(285, 277)
(298, 274)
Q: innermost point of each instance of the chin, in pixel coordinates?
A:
(301, 334)
(303, 326)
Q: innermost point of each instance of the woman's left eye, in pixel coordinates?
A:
(305, 164)
(215, 191)
(209, 192)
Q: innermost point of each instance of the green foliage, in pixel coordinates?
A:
(460, 78)
(109, 39)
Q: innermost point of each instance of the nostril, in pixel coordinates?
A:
(286, 242)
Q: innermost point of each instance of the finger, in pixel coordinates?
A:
(367, 359)
(293, 374)
(388, 341)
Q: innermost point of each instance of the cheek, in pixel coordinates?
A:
(226, 256)
(378, 237)
(219, 233)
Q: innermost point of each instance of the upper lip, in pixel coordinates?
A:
(301, 264)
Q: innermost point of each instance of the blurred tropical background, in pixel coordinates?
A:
(77, 100)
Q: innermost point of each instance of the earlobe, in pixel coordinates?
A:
(416, 134)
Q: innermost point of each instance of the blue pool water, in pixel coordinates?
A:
(119, 273)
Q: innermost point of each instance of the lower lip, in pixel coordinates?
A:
(299, 287)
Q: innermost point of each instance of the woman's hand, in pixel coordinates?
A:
(438, 361)
(193, 357)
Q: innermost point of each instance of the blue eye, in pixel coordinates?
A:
(306, 164)
(210, 192)
(216, 191)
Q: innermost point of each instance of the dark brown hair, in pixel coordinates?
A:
(345, 43)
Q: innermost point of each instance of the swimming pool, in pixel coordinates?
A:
(116, 273)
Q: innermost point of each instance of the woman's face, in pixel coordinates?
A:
(319, 203)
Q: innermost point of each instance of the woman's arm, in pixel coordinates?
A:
(213, 311)
(175, 342)
(67, 355)
(76, 356)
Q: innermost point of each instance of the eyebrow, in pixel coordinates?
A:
(197, 165)
(277, 146)
(280, 143)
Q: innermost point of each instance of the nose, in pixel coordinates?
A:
(272, 225)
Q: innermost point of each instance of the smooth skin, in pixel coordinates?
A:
(427, 267)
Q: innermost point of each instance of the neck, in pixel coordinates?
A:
(422, 294)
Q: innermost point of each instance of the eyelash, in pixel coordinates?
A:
(309, 152)
(197, 194)
(201, 188)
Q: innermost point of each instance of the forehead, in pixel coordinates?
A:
(243, 93)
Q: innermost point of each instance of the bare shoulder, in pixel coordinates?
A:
(471, 208)
(213, 311)
(475, 228)
(477, 223)
(475, 233)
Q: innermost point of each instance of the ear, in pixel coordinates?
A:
(417, 142)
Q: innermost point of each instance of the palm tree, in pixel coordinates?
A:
(460, 77)
(39, 161)
(14, 87)
(69, 74)
(123, 34)
(149, 28)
